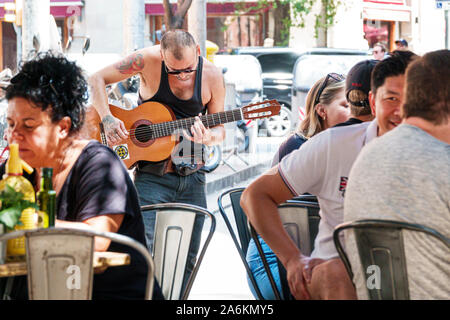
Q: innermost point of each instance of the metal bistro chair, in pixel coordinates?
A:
(242, 229)
(51, 253)
(380, 243)
(301, 221)
(172, 241)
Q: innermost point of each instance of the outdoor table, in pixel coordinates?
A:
(101, 261)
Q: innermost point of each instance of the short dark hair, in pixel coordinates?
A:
(51, 81)
(392, 66)
(427, 88)
(175, 41)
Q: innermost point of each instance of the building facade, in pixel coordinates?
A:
(362, 23)
(233, 23)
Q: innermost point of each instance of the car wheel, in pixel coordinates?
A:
(214, 157)
(280, 125)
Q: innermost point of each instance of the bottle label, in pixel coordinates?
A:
(42, 221)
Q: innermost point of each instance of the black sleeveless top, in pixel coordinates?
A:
(181, 108)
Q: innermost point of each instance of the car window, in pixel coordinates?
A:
(277, 62)
(311, 68)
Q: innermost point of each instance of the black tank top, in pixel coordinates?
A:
(181, 108)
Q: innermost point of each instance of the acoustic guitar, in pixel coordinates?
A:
(152, 127)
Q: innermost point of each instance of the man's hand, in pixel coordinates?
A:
(295, 277)
(114, 129)
(309, 267)
(200, 134)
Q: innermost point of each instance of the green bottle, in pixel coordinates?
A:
(46, 198)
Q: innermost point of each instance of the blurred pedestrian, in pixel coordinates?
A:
(379, 51)
(401, 44)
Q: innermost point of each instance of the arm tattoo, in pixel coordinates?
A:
(131, 64)
(108, 121)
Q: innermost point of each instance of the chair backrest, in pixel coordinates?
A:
(55, 254)
(240, 219)
(380, 243)
(172, 241)
(301, 221)
(305, 197)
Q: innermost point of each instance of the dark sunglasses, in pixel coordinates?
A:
(335, 76)
(177, 72)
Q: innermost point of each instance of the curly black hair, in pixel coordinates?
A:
(50, 80)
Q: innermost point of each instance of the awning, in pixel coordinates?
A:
(226, 8)
(58, 8)
(65, 8)
(387, 10)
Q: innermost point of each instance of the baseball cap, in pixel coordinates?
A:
(403, 42)
(358, 78)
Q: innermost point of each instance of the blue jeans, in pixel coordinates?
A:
(171, 187)
(257, 268)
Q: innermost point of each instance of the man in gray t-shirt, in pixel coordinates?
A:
(405, 176)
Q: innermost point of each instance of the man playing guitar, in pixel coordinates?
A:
(173, 73)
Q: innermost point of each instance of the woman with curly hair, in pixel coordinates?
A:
(46, 110)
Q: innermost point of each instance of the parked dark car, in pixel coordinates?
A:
(315, 63)
(277, 64)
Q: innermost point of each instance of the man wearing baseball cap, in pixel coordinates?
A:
(401, 44)
(357, 87)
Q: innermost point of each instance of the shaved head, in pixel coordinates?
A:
(175, 41)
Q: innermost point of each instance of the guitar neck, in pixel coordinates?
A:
(210, 120)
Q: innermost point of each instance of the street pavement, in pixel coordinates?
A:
(222, 275)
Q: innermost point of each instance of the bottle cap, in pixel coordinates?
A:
(14, 165)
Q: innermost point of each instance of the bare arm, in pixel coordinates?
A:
(129, 66)
(260, 202)
(103, 223)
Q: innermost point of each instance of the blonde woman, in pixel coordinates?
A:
(326, 106)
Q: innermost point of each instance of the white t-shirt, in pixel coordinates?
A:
(321, 167)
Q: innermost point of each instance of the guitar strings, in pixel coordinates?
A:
(146, 131)
(173, 124)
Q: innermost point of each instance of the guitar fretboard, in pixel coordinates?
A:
(158, 130)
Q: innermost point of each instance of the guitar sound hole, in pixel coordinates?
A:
(143, 133)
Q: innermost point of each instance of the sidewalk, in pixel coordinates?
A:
(222, 275)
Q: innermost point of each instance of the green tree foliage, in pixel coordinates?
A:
(298, 10)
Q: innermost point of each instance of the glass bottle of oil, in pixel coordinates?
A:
(15, 249)
(46, 198)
